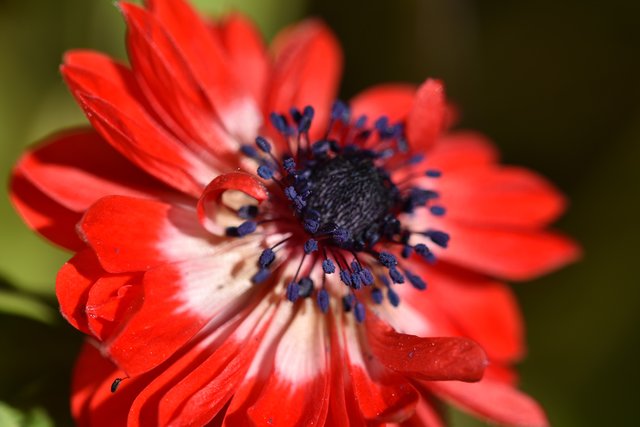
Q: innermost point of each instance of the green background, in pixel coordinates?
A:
(555, 84)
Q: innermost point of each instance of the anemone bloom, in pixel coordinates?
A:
(249, 251)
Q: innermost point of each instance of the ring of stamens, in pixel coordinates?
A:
(336, 198)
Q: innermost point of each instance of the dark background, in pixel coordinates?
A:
(554, 84)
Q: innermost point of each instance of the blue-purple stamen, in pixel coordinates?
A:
(340, 112)
(250, 151)
(247, 211)
(293, 291)
(345, 277)
(306, 287)
(387, 259)
(266, 258)
(359, 312)
(323, 300)
(265, 172)
(348, 301)
(437, 210)
(311, 226)
(328, 266)
(433, 173)
(356, 281)
(416, 281)
(305, 121)
(310, 246)
(262, 275)
(263, 144)
(406, 251)
(289, 165)
(246, 227)
(440, 238)
(290, 193)
(280, 123)
(367, 277)
(377, 295)
(396, 276)
(393, 297)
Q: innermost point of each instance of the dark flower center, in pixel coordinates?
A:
(351, 192)
(340, 190)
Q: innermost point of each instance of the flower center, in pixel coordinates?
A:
(351, 192)
(340, 188)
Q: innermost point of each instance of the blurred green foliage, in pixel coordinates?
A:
(555, 84)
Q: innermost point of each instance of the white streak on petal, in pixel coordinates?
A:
(183, 237)
(406, 319)
(278, 323)
(301, 354)
(242, 119)
(213, 283)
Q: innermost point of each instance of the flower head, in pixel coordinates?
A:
(249, 250)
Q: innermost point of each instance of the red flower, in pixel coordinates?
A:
(248, 253)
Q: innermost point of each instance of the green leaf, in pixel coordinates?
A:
(12, 417)
(23, 305)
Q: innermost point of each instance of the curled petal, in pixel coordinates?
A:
(372, 392)
(429, 359)
(212, 194)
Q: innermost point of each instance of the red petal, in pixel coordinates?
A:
(261, 367)
(112, 103)
(212, 194)
(131, 234)
(179, 299)
(508, 254)
(343, 409)
(43, 214)
(428, 116)
(213, 379)
(459, 150)
(163, 74)
(307, 72)
(495, 401)
(247, 53)
(430, 359)
(485, 311)
(205, 55)
(90, 372)
(391, 100)
(73, 284)
(168, 82)
(506, 196)
(92, 402)
(297, 392)
(60, 162)
(426, 414)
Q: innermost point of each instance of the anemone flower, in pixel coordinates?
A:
(250, 251)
